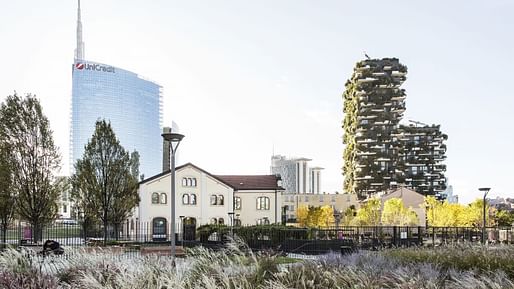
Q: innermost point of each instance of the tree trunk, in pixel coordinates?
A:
(105, 233)
(116, 233)
(4, 236)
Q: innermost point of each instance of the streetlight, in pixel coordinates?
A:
(174, 140)
(337, 218)
(486, 191)
(231, 217)
(182, 229)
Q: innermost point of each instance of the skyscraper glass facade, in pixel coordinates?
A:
(132, 104)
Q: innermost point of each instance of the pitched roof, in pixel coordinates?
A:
(251, 182)
(237, 182)
(181, 167)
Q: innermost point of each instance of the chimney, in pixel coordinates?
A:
(165, 151)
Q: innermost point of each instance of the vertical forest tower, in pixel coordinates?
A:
(380, 153)
(373, 105)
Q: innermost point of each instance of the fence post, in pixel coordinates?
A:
(395, 232)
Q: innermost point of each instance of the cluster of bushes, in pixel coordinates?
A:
(274, 234)
(238, 267)
(461, 257)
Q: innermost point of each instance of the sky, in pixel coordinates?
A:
(245, 79)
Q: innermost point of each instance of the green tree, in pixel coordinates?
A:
(7, 192)
(348, 215)
(127, 198)
(396, 214)
(504, 218)
(369, 213)
(26, 130)
(105, 179)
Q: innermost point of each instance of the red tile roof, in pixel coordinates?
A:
(252, 182)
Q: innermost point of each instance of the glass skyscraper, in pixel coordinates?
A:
(132, 105)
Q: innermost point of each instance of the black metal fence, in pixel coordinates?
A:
(135, 237)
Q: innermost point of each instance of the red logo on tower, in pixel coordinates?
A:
(79, 66)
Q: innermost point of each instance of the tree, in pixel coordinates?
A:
(504, 218)
(7, 192)
(302, 214)
(396, 214)
(326, 217)
(349, 215)
(473, 214)
(26, 130)
(128, 197)
(369, 213)
(105, 179)
(310, 216)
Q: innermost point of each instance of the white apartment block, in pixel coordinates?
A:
(297, 177)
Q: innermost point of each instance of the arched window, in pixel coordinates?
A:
(221, 221)
(214, 200)
(220, 200)
(192, 201)
(189, 182)
(237, 222)
(237, 203)
(164, 198)
(155, 198)
(262, 203)
(193, 184)
(159, 227)
(184, 182)
(214, 221)
(185, 199)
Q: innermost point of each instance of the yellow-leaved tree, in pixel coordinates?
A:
(368, 214)
(310, 216)
(302, 215)
(396, 214)
(326, 217)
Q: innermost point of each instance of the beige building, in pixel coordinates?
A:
(411, 199)
(204, 198)
(339, 202)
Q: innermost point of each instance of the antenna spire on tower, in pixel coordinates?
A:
(79, 51)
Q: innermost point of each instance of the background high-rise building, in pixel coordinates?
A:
(373, 105)
(131, 103)
(297, 176)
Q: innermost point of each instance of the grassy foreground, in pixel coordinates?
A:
(238, 267)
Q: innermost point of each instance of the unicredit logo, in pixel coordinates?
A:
(93, 66)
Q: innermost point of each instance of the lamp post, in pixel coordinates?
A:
(337, 218)
(174, 140)
(182, 229)
(486, 191)
(231, 217)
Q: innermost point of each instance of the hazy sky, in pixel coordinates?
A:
(243, 77)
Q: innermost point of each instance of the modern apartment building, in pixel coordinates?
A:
(130, 102)
(421, 155)
(380, 154)
(296, 174)
(374, 103)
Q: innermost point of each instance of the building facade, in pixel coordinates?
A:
(421, 156)
(203, 198)
(130, 102)
(296, 174)
(338, 202)
(374, 103)
(380, 154)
